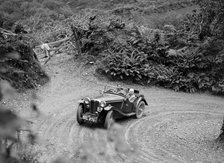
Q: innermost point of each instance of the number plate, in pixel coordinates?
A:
(85, 117)
(90, 118)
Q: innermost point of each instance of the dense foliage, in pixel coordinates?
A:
(211, 15)
(34, 12)
(184, 53)
(175, 57)
(23, 69)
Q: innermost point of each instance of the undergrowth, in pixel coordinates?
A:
(173, 57)
(23, 70)
(184, 53)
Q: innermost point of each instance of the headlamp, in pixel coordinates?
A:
(99, 109)
(102, 104)
(87, 100)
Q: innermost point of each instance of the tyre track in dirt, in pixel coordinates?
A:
(133, 132)
(147, 154)
(149, 136)
(59, 128)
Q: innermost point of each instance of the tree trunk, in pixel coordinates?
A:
(77, 39)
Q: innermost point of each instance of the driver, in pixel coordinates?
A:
(121, 90)
(131, 95)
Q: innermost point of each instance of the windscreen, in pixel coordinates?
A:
(116, 90)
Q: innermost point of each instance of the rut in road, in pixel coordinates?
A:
(177, 127)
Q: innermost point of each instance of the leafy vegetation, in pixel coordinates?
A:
(11, 125)
(19, 64)
(183, 53)
(175, 57)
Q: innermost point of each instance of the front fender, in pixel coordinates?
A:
(141, 98)
(146, 103)
(107, 108)
(80, 101)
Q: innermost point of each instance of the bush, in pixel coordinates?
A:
(19, 64)
(189, 73)
(171, 58)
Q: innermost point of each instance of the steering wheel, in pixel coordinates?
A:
(120, 93)
(111, 91)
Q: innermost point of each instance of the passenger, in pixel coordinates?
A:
(131, 95)
(122, 91)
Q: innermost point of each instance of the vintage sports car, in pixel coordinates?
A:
(113, 103)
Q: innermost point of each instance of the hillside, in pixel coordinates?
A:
(152, 46)
(19, 64)
(17, 10)
(143, 6)
(145, 12)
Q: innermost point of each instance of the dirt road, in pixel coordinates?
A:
(177, 127)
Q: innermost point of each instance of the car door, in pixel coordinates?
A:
(128, 106)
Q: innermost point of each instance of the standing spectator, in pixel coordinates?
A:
(45, 47)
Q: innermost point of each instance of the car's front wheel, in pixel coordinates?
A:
(109, 120)
(80, 114)
(140, 109)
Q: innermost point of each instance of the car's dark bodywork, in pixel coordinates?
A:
(96, 109)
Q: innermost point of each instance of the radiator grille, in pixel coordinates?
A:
(93, 105)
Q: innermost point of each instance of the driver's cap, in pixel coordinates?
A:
(131, 90)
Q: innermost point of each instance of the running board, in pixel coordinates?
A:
(124, 114)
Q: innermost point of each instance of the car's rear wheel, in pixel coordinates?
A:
(140, 109)
(80, 114)
(109, 120)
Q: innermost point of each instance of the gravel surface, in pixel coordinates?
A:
(177, 127)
